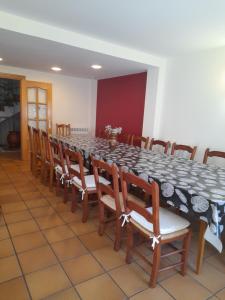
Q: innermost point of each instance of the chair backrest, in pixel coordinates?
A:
(67, 129)
(30, 134)
(164, 145)
(140, 141)
(212, 153)
(63, 129)
(57, 154)
(45, 146)
(111, 190)
(151, 189)
(124, 138)
(75, 157)
(183, 150)
(36, 142)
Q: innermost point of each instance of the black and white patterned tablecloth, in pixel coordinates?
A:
(191, 186)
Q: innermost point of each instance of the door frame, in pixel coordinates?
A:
(20, 78)
(24, 119)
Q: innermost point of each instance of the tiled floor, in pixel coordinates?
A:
(46, 252)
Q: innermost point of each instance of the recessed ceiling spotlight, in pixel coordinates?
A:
(56, 69)
(96, 67)
(1, 59)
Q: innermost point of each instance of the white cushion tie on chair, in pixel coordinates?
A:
(90, 183)
(125, 218)
(59, 170)
(155, 239)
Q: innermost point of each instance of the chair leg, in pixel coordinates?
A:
(34, 165)
(65, 188)
(57, 184)
(42, 171)
(130, 243)
(85, 208)
(51, 176)
(155, 265)
(201, 245)
(46, 170)
(118, 234)
(74, 199)
(184, 258)
(31, 162)
(101, 218)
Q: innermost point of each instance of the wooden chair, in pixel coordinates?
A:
(212, 153)
(67, 129)
(109, 198)
(48, 165)
(163, 144)
(63, 129)
(61, 174)
(140, 141)
(81, 182)
(37, 154)
(124, 138)
(203, 225)
(156, 224)
(183, 150)
(31, 148)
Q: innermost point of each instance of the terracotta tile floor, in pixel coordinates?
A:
(46, 252)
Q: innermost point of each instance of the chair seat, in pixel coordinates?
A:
(76, 167)
(171, 235)
(90, 182)
(169, 222)
(110, 202)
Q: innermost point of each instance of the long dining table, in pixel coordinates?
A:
(192, 187)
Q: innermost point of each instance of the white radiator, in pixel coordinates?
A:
(79, 130)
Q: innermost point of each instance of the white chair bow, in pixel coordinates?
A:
(125, 218)
(155, 240)
(62, 178)
(72, 181)
(83, 193)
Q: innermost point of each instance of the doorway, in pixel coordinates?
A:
(35, 109)
(10, 129)
(10, 117)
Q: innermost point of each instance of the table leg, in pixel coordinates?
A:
(201, 245)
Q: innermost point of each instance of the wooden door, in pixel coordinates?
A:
(36, 110)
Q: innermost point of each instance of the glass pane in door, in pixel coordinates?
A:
(42, 125)
(32, 113)
(32, 123)
(42, 96)
(31, 95)
(42, 111)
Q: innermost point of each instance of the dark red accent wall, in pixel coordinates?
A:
(120, 102)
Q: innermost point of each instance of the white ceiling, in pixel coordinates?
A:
(161, 27)
(25, 51)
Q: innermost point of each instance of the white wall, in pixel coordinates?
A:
(73, 99)
(193, 110)
(153, 100)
